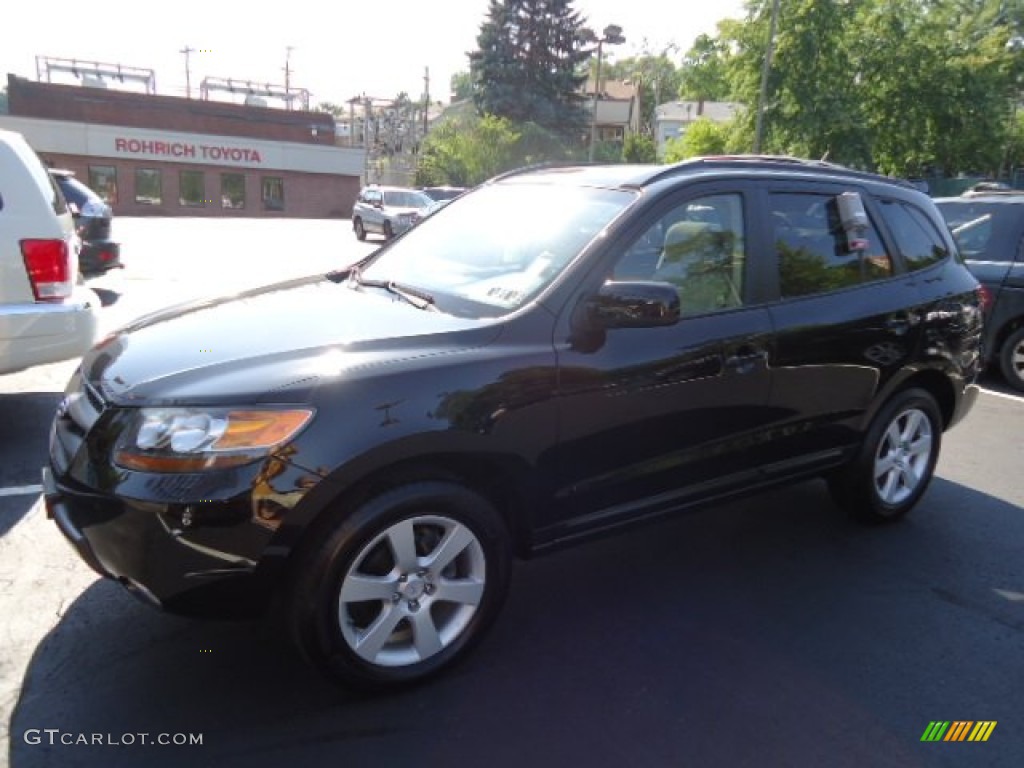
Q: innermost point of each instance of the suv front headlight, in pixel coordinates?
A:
(197, 439)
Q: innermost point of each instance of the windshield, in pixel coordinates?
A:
(405, 199)
(500, 245)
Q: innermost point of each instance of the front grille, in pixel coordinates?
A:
(78, 412)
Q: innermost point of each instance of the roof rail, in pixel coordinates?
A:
(781, 162)
(535, 167)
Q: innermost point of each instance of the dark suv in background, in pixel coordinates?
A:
(989, 228)
(92, 217)
(563, 353)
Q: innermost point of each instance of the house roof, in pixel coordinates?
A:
(612, 89)
(688, 111)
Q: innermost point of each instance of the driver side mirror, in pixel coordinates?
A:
(633, 304)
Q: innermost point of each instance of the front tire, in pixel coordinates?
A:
(388, 231)
(403, 587)
(357, 225)
(895, 463)
(1011, 359)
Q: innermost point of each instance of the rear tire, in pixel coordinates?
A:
(402, 587)
(1011, 359)
(896, 460)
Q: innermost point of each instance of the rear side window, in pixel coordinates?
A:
(76, 192)
(813, 251)
(916, 237)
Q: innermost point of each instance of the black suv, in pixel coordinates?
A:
(989, 228)
(564, 352)
(92, 216)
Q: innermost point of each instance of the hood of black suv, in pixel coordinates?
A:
(277, 341)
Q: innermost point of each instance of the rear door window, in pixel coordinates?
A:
(812, 247)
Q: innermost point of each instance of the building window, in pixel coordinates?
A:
(273, 193)
(232, 190)
(103, 180)
(192, 189)
(148, 187)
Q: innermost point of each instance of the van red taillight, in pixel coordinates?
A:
(985, 297)
(48, 263)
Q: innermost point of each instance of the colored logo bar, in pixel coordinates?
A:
(958, 730)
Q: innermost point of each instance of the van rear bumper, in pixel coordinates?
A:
(40, 333)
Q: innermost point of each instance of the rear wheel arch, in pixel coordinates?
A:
(934, 382)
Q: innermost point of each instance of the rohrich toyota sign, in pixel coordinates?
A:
(217, 153)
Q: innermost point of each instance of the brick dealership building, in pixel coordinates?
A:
(171, 156)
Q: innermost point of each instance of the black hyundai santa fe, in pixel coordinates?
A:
(556, 354)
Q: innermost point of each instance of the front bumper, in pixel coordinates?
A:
(146, 548)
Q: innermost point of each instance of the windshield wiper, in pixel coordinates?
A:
(416, 297)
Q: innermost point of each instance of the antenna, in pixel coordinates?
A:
(288, 72)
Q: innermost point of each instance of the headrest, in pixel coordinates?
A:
(687, 232)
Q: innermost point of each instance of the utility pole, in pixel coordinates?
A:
(288, 74)
(188, 72)
(763, 97)
(426, 98)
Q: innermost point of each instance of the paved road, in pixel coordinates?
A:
(766, 632)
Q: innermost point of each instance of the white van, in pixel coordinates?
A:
(45, 316)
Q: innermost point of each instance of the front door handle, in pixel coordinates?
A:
(746, 359)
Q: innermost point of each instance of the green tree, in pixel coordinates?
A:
(702, 137)
(461, 86)
(702, 75)
(813, 107)
(639, 148)
(528, 62)
(941, 101)
(470, 150)
(903, 86)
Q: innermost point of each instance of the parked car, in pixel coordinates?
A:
(98, 253)
(564, 353)
(388, 211)
(44, 316)
(989, 227)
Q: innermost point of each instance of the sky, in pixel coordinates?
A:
(339, 50)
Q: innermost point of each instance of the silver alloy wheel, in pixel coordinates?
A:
(903, 456)
(411, 591)
(1017, 360)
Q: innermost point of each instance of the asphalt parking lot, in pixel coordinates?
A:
(770, 631)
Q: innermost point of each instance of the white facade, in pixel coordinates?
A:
(111, 141)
